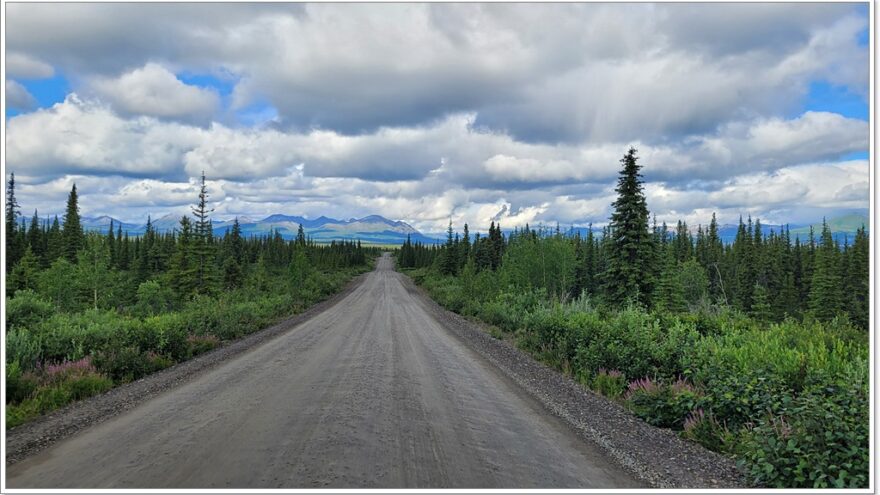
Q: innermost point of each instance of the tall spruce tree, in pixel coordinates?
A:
(670, 292)
(14, 249)
(825, 290)
(203, 242)
(184, 263)
(628, 277)
(449, 264)
(72, 232)
(859, 279)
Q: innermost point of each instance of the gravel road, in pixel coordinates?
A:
(372, 392)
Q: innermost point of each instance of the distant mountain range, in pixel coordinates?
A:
(375, 229)
(842, 228)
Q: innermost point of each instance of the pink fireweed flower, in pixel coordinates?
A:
(693, 419)
(682, 385)
(58, 371)
(645, 385)
(612, 373)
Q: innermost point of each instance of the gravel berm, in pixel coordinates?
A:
(655, 455)
(28, 439)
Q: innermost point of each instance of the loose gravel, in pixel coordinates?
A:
(654, 455)
(26, 440)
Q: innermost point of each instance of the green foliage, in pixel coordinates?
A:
(126, 364)
(19, 385)
(694, 281)
(198, 344)
(670, 291)
(24, 275)
(629, 274)
(704, 428)
(71, 232)
(26, 309)
(23, 347)
(153, 298)
(662, 404)
(539, 263)
(54, 284)
(29, 394)
(609, 383)
(816, 441)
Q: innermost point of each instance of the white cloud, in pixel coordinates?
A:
(83, 136)
(604, 73)
(425, 111)
(23, 66)
(155, 91)
(18, 97)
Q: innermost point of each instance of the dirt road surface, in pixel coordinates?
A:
(373, 392)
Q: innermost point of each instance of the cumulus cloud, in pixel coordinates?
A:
(85, 136)
(155, 91)
(601, 73)
(20, 65)
(426, 112)
(18, 97)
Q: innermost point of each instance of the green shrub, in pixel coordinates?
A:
(124, 364)
(817, 441)
(88, 385)
(153, 298)
(167, 335)
(201, 343)
(662, 405)
(19, 385)
(24, 348)
(703, 428)
(27, 309)
(609, 383)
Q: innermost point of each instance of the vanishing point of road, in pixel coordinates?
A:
(373, 392)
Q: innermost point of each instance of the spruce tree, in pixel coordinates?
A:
(859, 279)
(24, 275)
(300, 236)
(35, 238)
(111, 244)
(628, 277)
(450, 259)
(825, 290)
(670, 291)
(465, 246)
(761, 309)
(183, 270)
(14, 249)
(72, 232)
(54, 242)
(203, 239)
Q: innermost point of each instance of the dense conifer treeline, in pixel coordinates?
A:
(107, 270)
(769, 277)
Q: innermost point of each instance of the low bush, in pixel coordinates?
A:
(703, 428)
(198, 344)
(27, 309)
(609, 383)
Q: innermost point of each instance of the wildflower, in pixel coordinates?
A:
(643, 385)
(694, 419)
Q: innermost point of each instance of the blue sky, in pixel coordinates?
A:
(429, 112)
